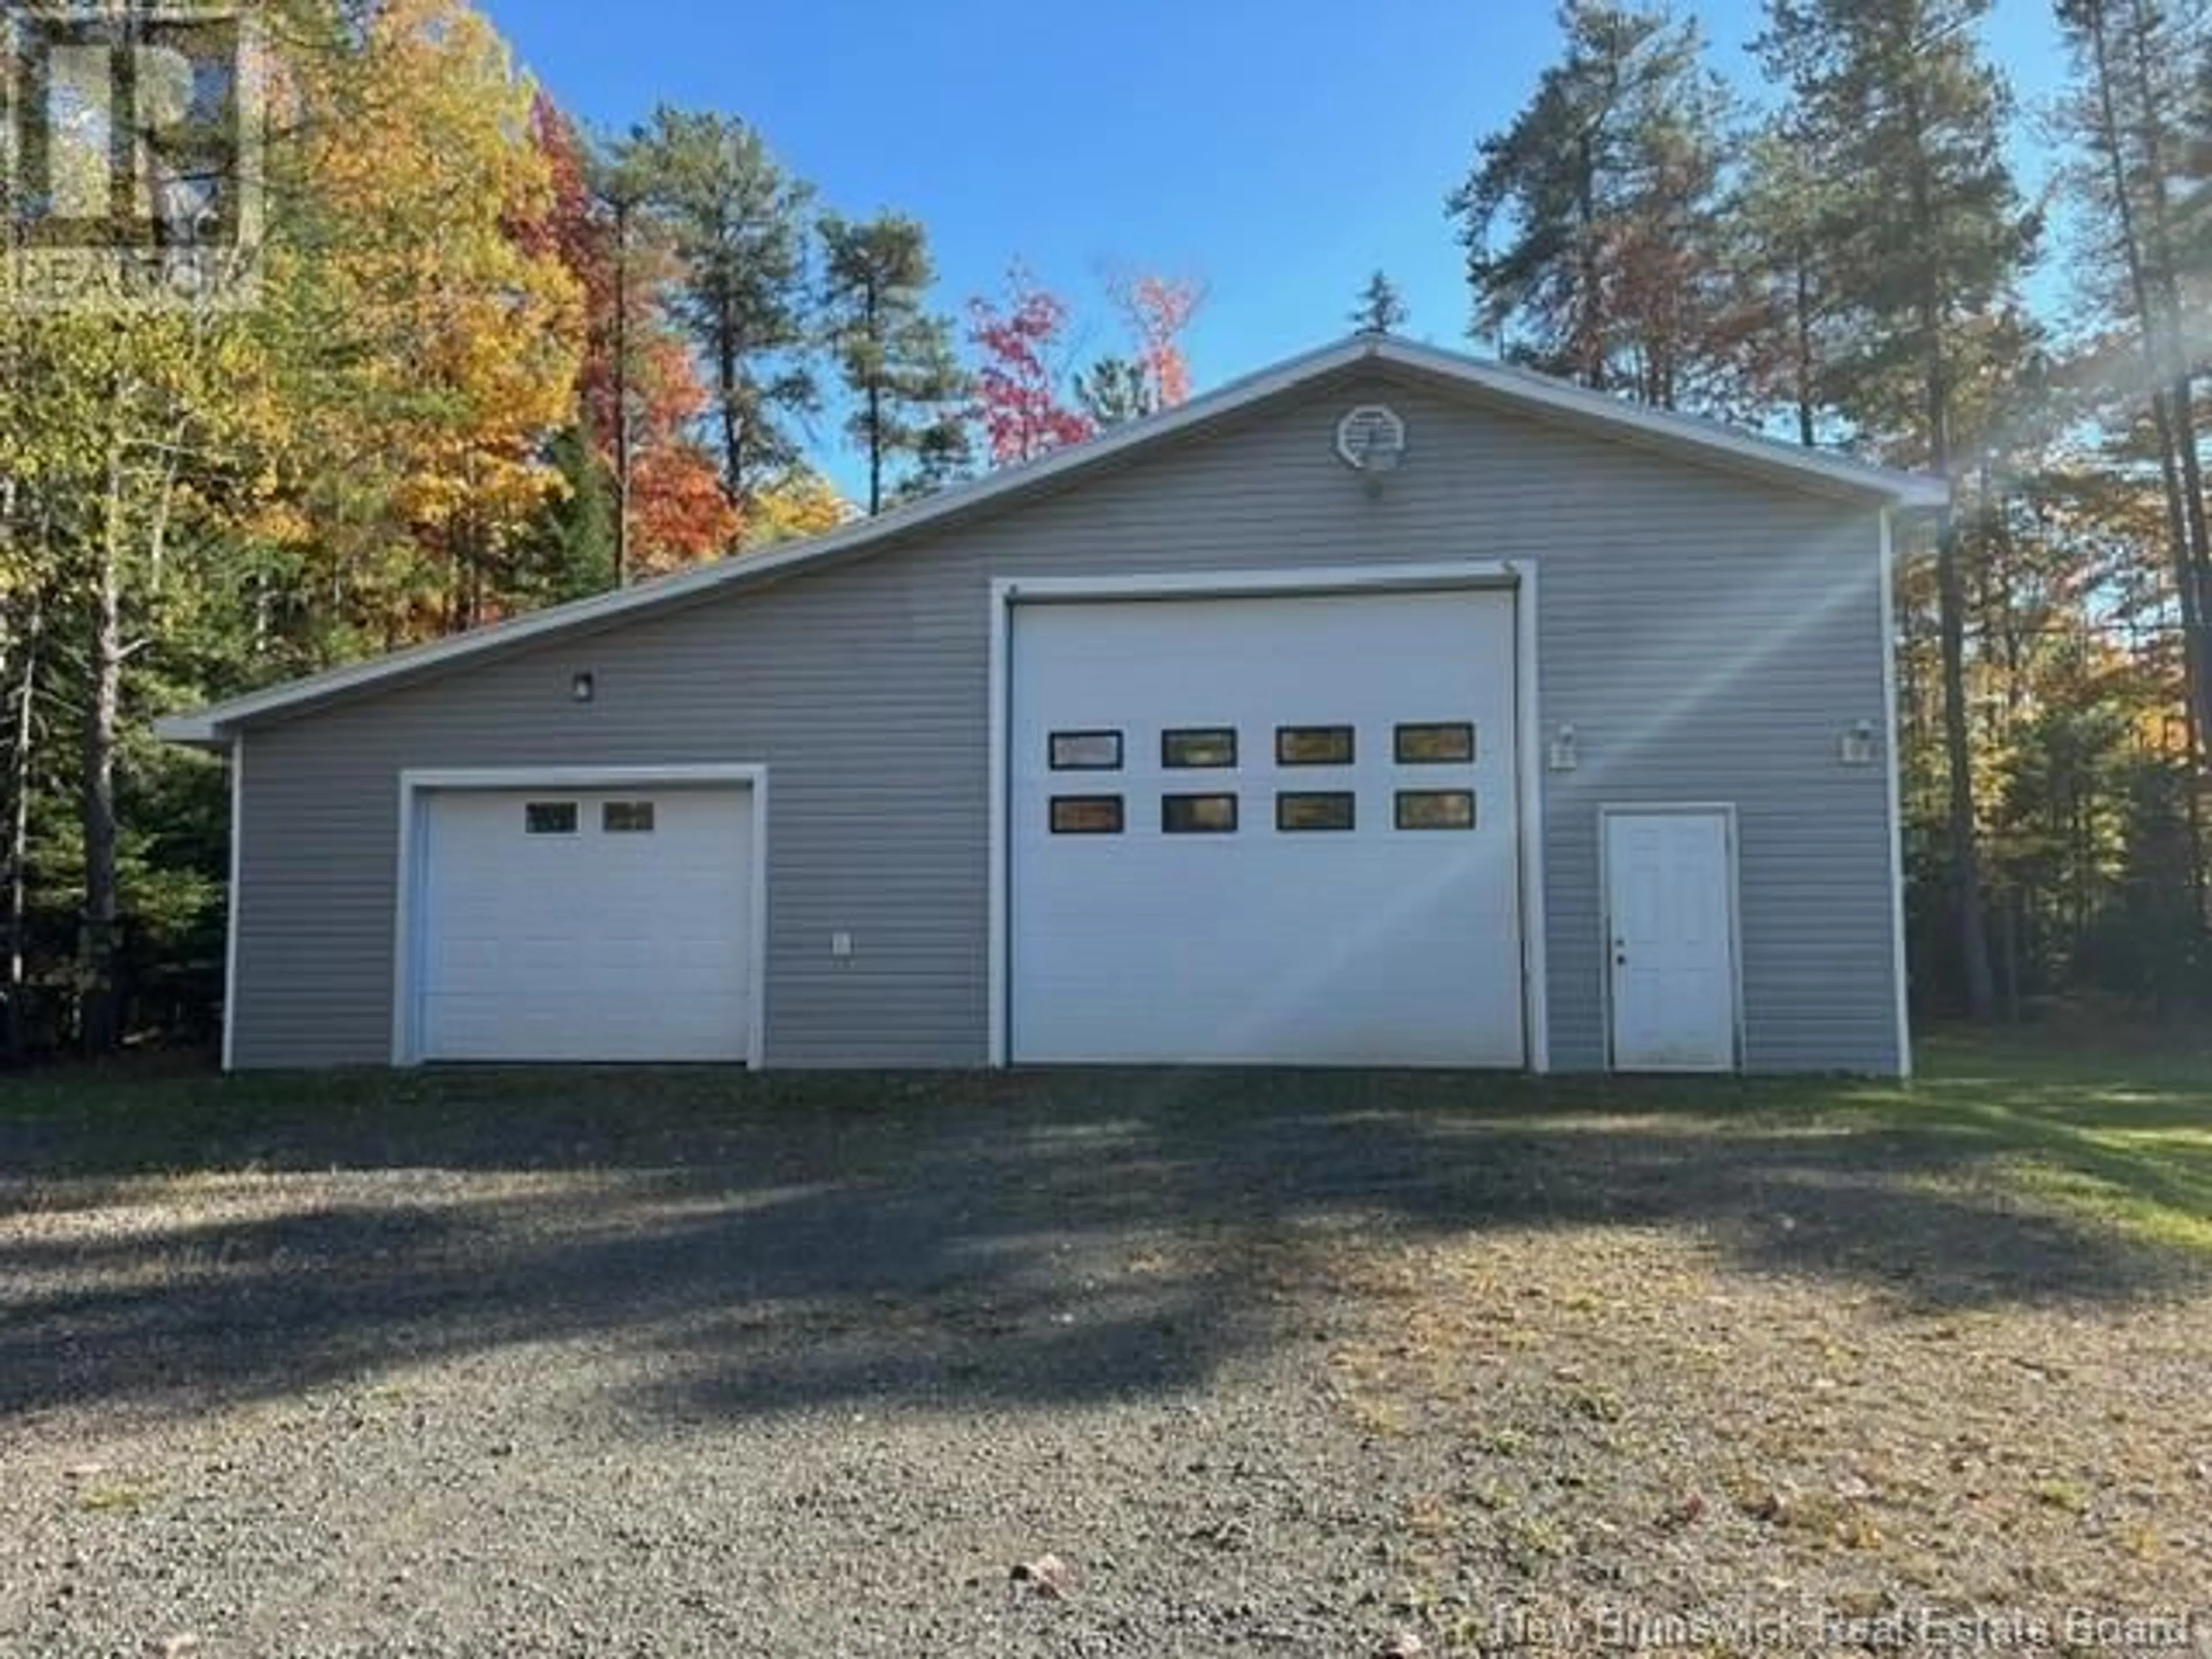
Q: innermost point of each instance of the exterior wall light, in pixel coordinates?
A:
(583, 689)
(1566, 751)
(1856, 748)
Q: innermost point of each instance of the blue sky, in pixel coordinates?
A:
(1278, 149)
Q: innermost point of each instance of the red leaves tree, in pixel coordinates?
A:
(1019, 397)
(639, 391)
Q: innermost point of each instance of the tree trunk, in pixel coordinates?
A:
(100, 1012)
(734, 431)
(1807, 433)
(1958, 767)
(622, 433)
(17, 1034)
(873, 310)
(2165, 326)
(1951, 616)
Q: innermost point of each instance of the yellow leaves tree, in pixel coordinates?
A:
(454, 330)
(798, 504)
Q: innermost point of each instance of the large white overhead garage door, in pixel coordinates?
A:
(1278, 830)
(567, 924)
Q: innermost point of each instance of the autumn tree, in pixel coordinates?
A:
(737, 222)
(1018, 340)
(797, 504)
(1588, 221)
(452, 338)
(1925, 237)
(1380, 310)
(1158, 312)
(895, 357)
(639, 395)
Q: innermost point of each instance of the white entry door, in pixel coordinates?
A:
(584, 925)
(1671, 922)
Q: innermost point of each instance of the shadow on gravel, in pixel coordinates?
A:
(769, 1244)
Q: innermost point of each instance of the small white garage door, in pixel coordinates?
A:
(1277, 830)
(557, 924)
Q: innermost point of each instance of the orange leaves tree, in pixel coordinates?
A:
(638, 394)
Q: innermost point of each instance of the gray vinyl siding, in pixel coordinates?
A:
(1710, 638)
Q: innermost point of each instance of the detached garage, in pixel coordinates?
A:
(1390, 707)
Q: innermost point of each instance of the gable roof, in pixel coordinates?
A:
(1690, 437)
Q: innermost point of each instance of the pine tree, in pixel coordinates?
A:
(1589, 221)
(1380, 311)
(1925, 237)
(2140, 107)
(896, 358)
(1114, 392)
(736, 222)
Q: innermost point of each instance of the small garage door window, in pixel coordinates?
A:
(626, 818)
(1314, 745)
(1198, 815)
(1198, 746)
(1302, 812)
(1436, 809)
(1445, 744)
(1086, 814)
(549, 817)
(1086, 751)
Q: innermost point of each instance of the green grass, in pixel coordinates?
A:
(2120, 1132)
(2113, 1128)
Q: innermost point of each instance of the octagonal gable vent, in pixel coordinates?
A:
(1371, 438)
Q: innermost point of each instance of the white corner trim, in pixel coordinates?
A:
(1732, 835)
(1518, 388)
(999, 725)
(1535, 920)
(237, 761)
(1893, 764)
(415, 784)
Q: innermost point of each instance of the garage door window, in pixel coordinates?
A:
(549, 817)
(1450, 743)
(1436, 809)
(1314, 745)
(626, 818)
(1200, 746)
(1300, 813)
(1086, 751)
(1086, 814)
(1198, 815)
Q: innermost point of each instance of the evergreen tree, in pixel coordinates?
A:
(895, 357)
(1380, 311)
(1114, 391)
(1925, 237)
(1589, 222)
(2141, 108)
(1776, 257)
(736, 224)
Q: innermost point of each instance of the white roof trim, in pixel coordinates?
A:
(213, 726)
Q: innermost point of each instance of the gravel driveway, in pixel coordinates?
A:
(1287, 1364)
